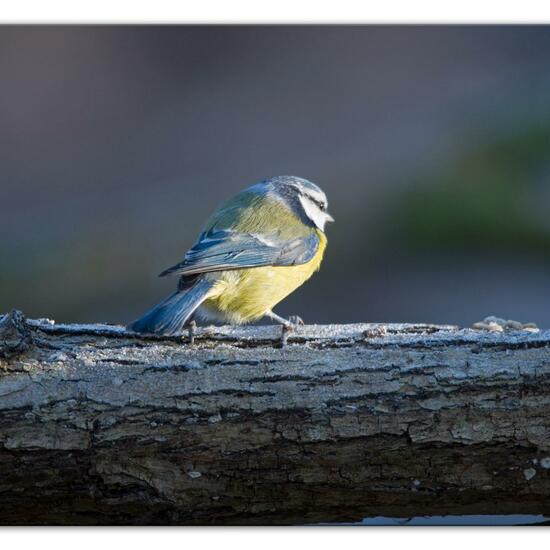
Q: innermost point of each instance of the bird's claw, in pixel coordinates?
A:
(295, 320)
(285, 330)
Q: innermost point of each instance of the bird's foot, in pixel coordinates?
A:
(295, 320)
(288, 326)
(286, 329)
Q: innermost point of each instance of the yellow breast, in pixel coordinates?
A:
(245, 295)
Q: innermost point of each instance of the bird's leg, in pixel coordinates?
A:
(279, 319)
(191, 328)
(287, 325)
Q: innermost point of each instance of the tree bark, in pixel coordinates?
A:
(102, 426)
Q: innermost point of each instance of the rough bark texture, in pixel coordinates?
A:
(99, 426)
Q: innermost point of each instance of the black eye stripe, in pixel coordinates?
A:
(320, 204)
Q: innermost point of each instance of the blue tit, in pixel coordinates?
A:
(255, 250)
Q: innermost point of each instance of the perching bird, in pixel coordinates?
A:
(260, 246)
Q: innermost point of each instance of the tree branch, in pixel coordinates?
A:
(101, 426)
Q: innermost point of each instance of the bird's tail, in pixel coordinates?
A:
(170, 316)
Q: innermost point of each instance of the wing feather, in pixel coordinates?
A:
(226, 250)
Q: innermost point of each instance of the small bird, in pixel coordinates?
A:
(255, 250)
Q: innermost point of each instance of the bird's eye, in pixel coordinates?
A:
(318, 203)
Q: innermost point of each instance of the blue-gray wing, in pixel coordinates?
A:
(224, 250)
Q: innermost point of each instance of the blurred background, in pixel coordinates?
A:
(432, 143)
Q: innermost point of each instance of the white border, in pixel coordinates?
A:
(318, 538)
(282, 11)
(279, 11)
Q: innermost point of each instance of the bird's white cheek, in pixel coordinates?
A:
(313, 212)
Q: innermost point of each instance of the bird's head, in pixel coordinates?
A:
(304, 197)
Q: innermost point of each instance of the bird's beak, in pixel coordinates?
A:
(328, 217)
